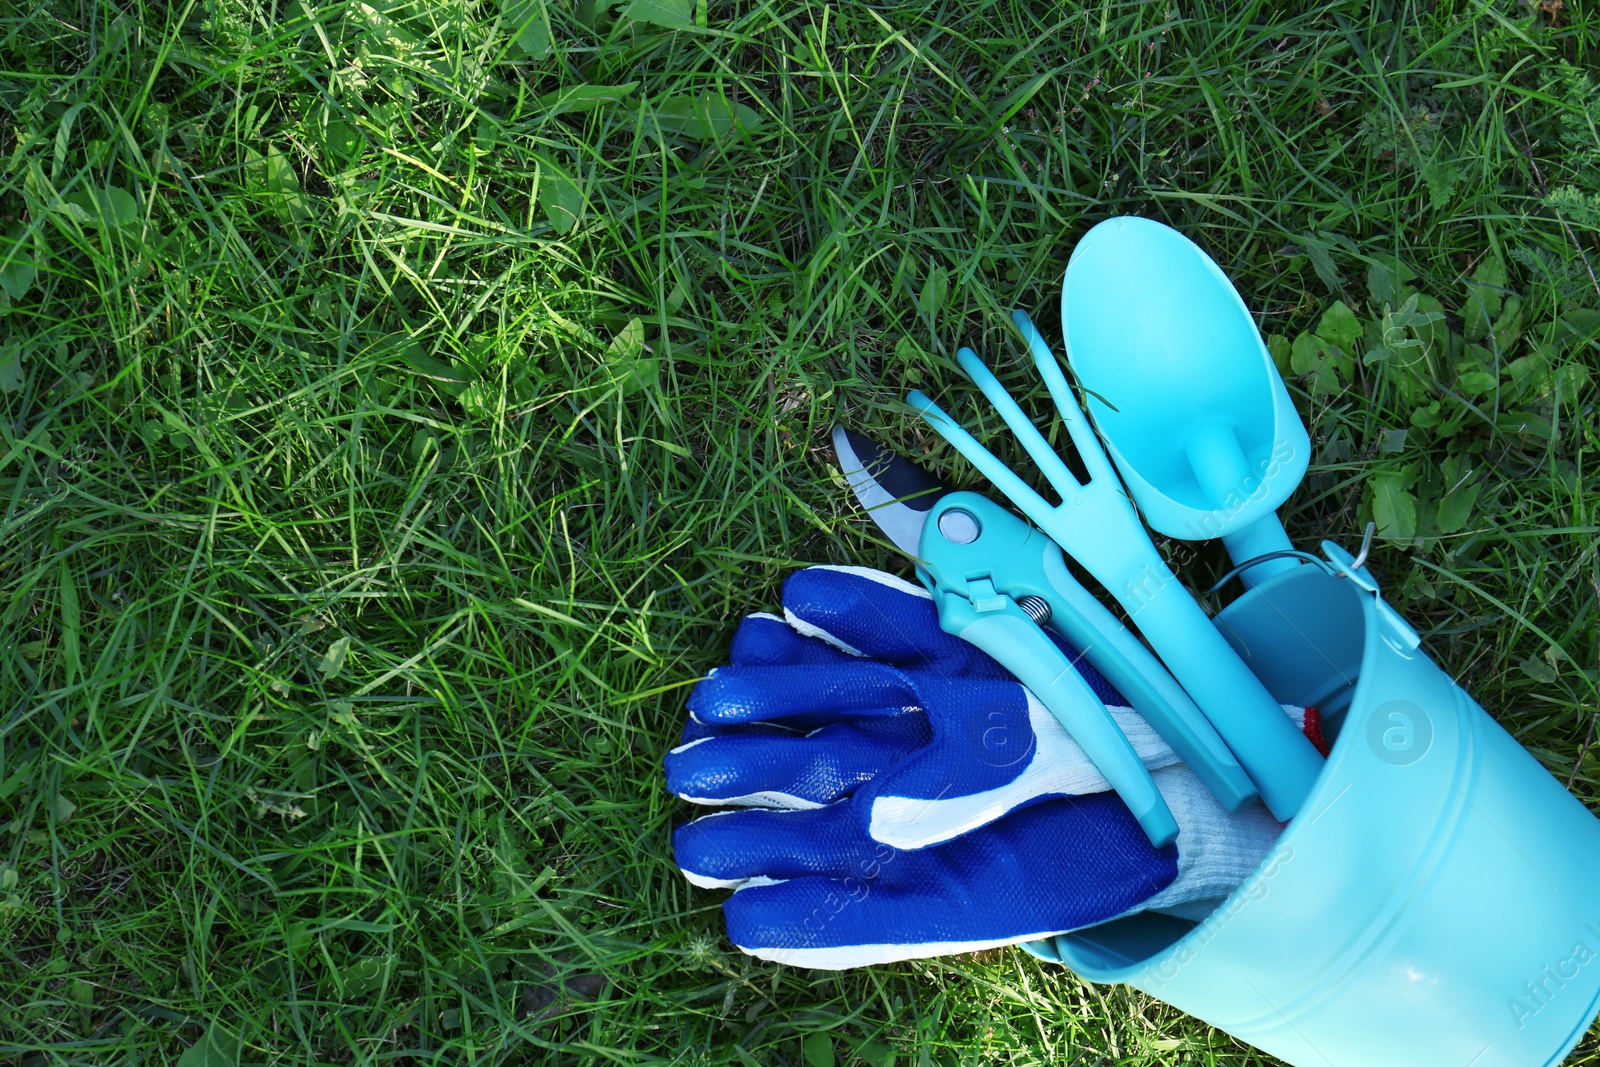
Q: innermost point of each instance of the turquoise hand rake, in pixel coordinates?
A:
(1096, 524)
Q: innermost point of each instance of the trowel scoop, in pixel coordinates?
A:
(1184, 393)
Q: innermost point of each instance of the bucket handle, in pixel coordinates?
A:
(1340, 564)
(1291, 553)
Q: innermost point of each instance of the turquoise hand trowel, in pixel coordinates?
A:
(1182, 390)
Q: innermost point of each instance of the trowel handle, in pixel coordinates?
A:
(1224, 475)
(1113, 650)
(1257, 539)
(1281, 762)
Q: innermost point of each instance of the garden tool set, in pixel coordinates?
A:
(1425, 894)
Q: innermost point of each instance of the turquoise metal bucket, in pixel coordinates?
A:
(1437, 901)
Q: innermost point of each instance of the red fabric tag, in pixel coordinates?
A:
(1313, 731)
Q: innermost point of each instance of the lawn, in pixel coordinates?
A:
(402, 402)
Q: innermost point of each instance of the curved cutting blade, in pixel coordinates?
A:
(896, 492)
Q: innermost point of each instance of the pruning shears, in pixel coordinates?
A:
(998, 582)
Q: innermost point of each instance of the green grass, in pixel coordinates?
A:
(393, 429)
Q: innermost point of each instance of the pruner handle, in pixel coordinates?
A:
(1018, 645)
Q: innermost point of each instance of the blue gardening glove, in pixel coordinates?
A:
(871, 732)
(858, 692)
(813, 890)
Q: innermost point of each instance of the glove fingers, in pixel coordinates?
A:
(790, 770)
(764, 640)
(877, 615)
(1057, 866)
(728, 848)
(800, 695)
(694, 730)
(835, 924)
(880, 616)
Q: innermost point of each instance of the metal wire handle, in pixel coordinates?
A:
(1366, 546)
(1355, 564)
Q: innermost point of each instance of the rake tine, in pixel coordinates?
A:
(1090, 451)
(1032, 504)
(1044, 457)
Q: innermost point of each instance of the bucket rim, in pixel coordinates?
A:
(1381, 637)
